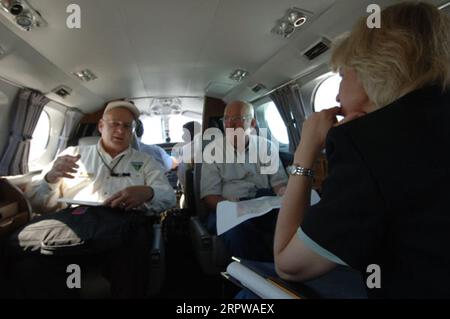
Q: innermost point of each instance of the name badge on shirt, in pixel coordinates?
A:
(137, 165)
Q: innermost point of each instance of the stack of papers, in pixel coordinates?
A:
(264, 287)
(231, 214)
(79, 202)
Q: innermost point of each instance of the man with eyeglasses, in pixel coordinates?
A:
(110, 172)
(121, 179)
(238, 180)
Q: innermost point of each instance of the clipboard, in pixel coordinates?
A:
(78, 202)
(258, 282)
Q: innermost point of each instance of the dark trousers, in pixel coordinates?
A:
(124, 261)
(127, 268)
(252, 239)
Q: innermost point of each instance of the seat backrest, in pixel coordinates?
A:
(188, 188)
(216, 121)
(15, 209)
(201, 209)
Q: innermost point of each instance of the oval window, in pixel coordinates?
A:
(275, 122)
(326, 93)
(41, 135)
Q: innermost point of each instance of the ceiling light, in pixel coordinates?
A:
(15, 8)
(296, 18)
(25, 20)
(238, 75)
(293, 19)
(85, 75)
(22, 14)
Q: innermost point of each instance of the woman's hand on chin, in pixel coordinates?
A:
(314, 133)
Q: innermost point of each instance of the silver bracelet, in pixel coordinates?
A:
(299, 170)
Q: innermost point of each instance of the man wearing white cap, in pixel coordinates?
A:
(110, 172)
(118, 177)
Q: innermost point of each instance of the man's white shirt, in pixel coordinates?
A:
(93, 180)
(238, 179)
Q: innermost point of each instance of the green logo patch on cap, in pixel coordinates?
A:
(137, 165)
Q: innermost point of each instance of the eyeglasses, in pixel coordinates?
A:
(117, 124)
(234, 119)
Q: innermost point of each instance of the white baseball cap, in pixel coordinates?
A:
(124, 104)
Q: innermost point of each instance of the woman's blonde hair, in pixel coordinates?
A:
(409, 51)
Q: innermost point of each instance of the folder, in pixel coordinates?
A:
(262, 282)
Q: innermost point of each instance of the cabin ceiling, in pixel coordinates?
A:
(148, 48)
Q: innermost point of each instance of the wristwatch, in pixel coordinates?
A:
(298, 170)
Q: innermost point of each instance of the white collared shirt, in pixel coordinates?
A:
(93, 180)
(239, 179)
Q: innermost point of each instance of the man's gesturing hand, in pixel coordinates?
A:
(64, 166)
(130, 197)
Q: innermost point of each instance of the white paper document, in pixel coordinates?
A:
(79, 202)
(231, 214)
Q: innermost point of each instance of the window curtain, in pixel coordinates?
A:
(28, 106)
(71, 119)
(289, 104)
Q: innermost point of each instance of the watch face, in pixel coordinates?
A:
(291, 169)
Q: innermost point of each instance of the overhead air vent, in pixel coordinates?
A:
(258, 87)
(317, 49)
(62, 91)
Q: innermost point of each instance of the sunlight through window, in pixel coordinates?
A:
(41, 135)
(325, 96)
(275, 123)
(153, 129)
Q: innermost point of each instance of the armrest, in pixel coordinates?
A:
(157, 262)
(200, 234)
(157, 247)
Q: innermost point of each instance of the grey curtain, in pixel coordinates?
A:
(289, 104)
(71, 119)
(28, 106)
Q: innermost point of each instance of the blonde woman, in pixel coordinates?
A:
(384, 209)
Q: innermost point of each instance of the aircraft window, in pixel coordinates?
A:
(154, 128)
(275, 123)
(326, 93)
(41, 135)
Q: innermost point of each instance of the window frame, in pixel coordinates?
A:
(48, 137)
(56, 114)
(319, 82)
(262, 122)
